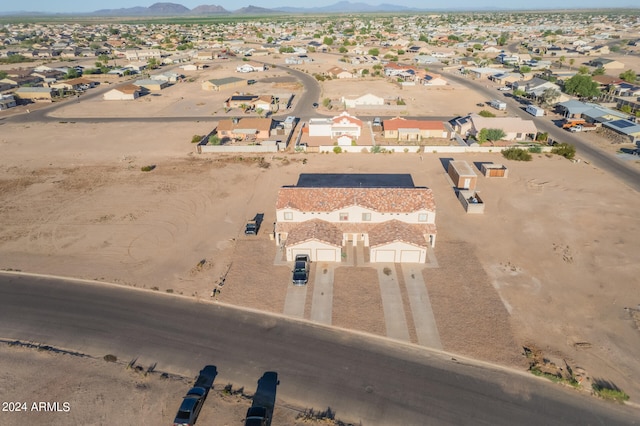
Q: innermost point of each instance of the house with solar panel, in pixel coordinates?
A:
(324, 215)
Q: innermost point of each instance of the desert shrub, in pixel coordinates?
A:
(337, 149)
(537, 149)
(566, 150)
(485, 113)
(609, 391)
(110, 358)
(196, 138)
(516, 154)
(147, 168)
(214, 140)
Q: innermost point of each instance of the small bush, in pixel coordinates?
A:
(387, 271)
(196, 138)
(565, 150)
(485, 113)
(147, 168)
(516, 154)
(110, 358)
(535, 149)
(337, 149)
(610, 392)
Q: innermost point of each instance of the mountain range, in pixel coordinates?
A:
(175, 9)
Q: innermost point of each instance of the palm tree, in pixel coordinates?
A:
(571, 62)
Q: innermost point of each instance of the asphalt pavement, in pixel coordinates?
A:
(361, 378)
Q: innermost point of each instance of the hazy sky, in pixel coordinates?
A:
(67, 6)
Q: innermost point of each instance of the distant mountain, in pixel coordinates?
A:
(208, 9)
(345, 7)
(254, 10)
(168, 9)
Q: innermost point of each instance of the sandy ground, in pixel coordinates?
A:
(551, 264)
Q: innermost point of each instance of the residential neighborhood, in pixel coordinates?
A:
(452, 191)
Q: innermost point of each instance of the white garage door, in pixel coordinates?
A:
(325, 255)
(410, 256)
(302, 251)
(385, 256)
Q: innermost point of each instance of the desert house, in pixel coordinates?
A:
(218, 84)
(364, 100)
(247, 129)
(403, 129)
(127, 92)
(343, 127)
(326, 213)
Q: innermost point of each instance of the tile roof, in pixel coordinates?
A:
(403, 123)
(384, 200)
(394, 230)
(315, 229)
(261, 124)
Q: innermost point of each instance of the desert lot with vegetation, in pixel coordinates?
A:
(551, 265)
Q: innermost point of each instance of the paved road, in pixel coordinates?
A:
(603, 160)
(361, 378)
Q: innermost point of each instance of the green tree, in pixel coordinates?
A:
(213, 140)
(561, 59)
(549, 95)
(626, 109)
(328, 41)
(485, 113)
(581, 85)
(524, 69)
(598, 71)
(3, 74)
(571, 62)
(629, 76)
(583, 70)
(374, 52)
(326, 102)
(72, 73)
(503, 39)
(153, 63)
(343, 49)
(490, 135)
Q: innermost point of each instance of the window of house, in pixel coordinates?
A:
(344, 217)
(422, 217)
(288, 216)
(366, 217)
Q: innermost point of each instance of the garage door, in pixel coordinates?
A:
(385, 256)
(302, 251)
(410, 256)
(325, 255)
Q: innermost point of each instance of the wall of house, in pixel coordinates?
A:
(237, 148)
(354, 216)
(469, 207)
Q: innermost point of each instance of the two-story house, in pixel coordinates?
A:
(385, 213)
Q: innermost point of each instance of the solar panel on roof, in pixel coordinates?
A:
(623, 124)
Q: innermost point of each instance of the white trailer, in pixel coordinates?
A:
(499, 105)
(534, 110)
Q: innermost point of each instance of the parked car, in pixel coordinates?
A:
(190, 407)
(504, 89)
(301, 270)
(315, 105)
(251, 82)
(251, 228)
(256, 416)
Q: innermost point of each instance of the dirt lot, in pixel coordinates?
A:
(552, 263)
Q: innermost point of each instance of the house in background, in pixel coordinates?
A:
(403, 129)
(247, 129)
(218, 84)
(364, 100)
(35, 94)
(432, 79)
(326, 213)
(128, 92)
(344, 128)
(7, 101)
(337, 72)
(515, 128)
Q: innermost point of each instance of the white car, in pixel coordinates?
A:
(504, 89)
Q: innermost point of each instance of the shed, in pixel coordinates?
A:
(491, 170)
(462, 175)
